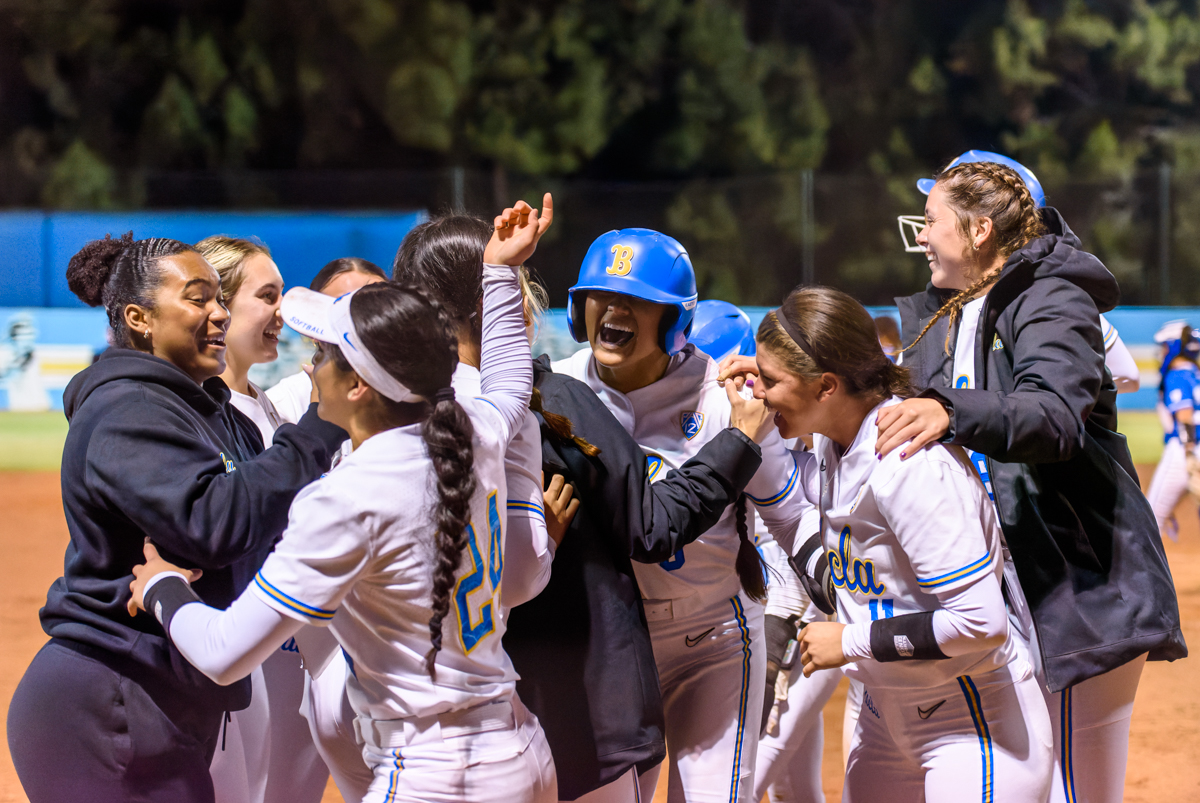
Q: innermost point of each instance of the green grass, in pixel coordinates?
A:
(34, 441)
(31, 441)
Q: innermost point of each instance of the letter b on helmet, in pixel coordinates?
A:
(641, 263)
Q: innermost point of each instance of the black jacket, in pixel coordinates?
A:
(151, 453)
(1082, 535)
(582, 646)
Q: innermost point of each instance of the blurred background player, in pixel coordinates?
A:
(1178, 389)
(634, 304)
(266, 751)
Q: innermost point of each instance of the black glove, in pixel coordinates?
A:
(779, 632)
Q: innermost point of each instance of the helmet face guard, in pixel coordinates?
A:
(917, 222)
(721, 329)
(644, 264)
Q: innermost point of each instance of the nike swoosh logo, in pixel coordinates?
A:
(926, 713)
(692, 642)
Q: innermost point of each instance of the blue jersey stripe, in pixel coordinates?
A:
(957, 574)
(1066, 726)
(291, 603)
(779, 497)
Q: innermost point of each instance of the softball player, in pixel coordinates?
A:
(438, 716)
(1177, 401)
(791, 742)
(1042, 417)
(911, 550)
(266, 752)
(633, 304)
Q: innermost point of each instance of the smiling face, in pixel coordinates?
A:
(795, 401)
(952, 261)
(253, 335)
(623, 332)
(333, 388)
(188, 323)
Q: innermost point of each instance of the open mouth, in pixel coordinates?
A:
(273, 337)
(614, 335)
(215, 342)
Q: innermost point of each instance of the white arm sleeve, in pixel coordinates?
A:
(528, 550)
(227, 645)
(972, 618)
(780, 494)
(505, 363)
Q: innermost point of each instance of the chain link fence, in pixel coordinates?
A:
(751, 237)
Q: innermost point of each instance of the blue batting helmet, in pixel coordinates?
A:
(644, 264)
(1031, 181)
(721, 329)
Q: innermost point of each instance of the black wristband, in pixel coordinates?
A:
(905, 638)
(818, 585)
(166, 597)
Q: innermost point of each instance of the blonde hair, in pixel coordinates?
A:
(986, 189)
(228, 255)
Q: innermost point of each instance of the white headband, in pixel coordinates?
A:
(320, 317)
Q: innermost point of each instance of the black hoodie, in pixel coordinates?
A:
(1081, 533)
(152, 454)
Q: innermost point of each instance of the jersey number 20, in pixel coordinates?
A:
(491, 571)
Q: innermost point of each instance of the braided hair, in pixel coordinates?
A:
(117, 273)
(986, 189)
(412, 336)
(751, 570)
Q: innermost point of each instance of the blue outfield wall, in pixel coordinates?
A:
(36, 246)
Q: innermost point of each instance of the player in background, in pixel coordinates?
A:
(912, 552)
(1015, 296)
(266, 751)
(792, 739)
(410, 587)
(633, 304)
(292, 394)
(1177, 392)
(154, 448)
(889, 336)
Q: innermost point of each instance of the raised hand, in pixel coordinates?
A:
(518, 230)
(751, 416)
(560, 507)
(740, 368)
(913, 424)
(155, 565)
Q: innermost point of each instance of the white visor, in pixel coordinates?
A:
(327, 319)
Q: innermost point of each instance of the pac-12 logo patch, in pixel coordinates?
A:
(654, 466)
(691, 422)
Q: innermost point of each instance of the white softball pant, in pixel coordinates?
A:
(1168, 485)
(712, 668)
(484, 754)
(985, 737)
(789, 758)
(331, 724)
(1091, 735)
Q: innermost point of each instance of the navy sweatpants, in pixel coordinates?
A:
(80, 730)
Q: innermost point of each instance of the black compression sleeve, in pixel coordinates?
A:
(819, 584)
(166, 597)
(905, 638)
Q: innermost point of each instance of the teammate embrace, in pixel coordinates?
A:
(993, 619)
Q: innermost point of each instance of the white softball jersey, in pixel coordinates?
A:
(671, 420)
(911, 536)
(358, 554)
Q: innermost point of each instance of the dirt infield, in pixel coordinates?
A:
(1166, 721)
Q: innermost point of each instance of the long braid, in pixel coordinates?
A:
(447, 433)
(986, 189)
(560, 426)
(749, 564)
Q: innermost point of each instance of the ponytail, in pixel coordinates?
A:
(447, 432)
(749, 563)
(560, 426)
